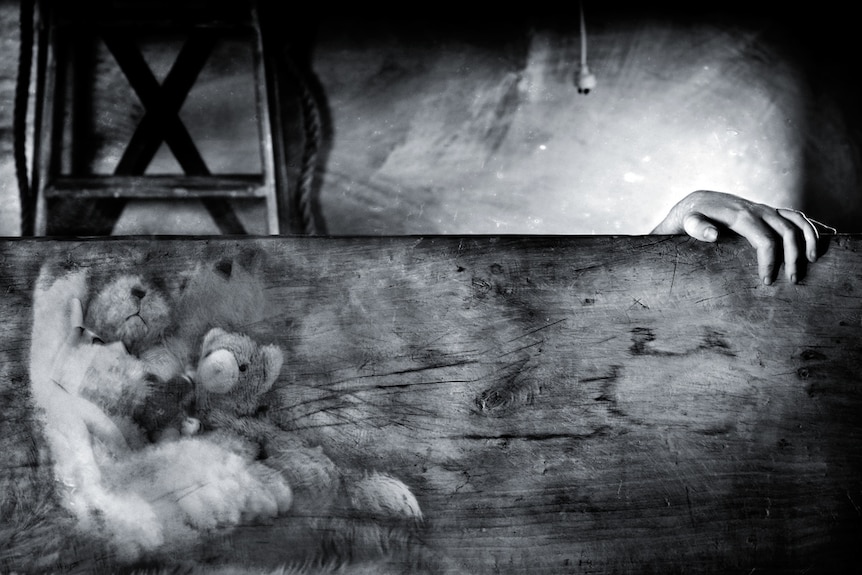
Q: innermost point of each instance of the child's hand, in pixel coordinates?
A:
(702, 213)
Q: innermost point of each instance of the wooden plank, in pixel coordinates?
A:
(158, 186)
(557, 404)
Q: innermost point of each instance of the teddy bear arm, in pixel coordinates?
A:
(165, 362)
(100, 426)
(258, 429)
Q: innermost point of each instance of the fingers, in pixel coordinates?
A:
(786, 223)
(698, 226)
(788, 232)
(761, 236)
(809, 231)
(701, 214)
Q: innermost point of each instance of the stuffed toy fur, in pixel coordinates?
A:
(213, 434)
(137, 498)
(357, 509)
(131, 309)
(226, 294)
(163, 323)
(232, 383)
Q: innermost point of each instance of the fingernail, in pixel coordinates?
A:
(793, 278)
(710, 234)
(767, 281)
(812, 256)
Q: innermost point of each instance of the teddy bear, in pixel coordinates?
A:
(230, 406)
(139, 499)
(234, 397)
(162, 323)
(225, 294)
(130, 308)
(220, 386)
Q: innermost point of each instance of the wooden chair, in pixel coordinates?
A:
(72, 160)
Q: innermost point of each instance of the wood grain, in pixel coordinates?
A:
(559, 404)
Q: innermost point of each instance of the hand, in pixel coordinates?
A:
(701, 213)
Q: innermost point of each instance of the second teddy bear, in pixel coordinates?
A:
(163, 323)
(234, 398)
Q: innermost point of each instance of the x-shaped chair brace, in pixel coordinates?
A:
(161, 121)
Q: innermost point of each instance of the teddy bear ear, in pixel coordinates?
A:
(273, 359)
(211, 335)
(76, 313)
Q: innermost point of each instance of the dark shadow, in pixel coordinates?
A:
(71, 217)
(822, 44)
(303, 128)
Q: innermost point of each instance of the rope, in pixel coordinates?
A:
(312, 125)
(19, 126)
(312, 140)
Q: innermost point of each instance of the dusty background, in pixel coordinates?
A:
(444, 125)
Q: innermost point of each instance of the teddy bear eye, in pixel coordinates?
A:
(243, 367)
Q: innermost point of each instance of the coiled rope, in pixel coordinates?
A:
(312, 123)
(19, 121)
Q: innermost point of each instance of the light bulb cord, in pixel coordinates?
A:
(583, 37)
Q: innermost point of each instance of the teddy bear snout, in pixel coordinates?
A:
(218, 372)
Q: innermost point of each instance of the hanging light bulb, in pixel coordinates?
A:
(585, 80)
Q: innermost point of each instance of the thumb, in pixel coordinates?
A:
(700, 228)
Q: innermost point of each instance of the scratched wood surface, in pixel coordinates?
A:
(558, 404)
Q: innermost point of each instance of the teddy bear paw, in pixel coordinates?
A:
(277, 499)
(214, 488)
(231, 503)
(384, 496)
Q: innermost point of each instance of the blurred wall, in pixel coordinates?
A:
(479, 130)
(9, 206)
(440, 126)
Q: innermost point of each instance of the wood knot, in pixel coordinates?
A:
(812, 355)
(505, 399)
(481, 287)
(493, 400)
